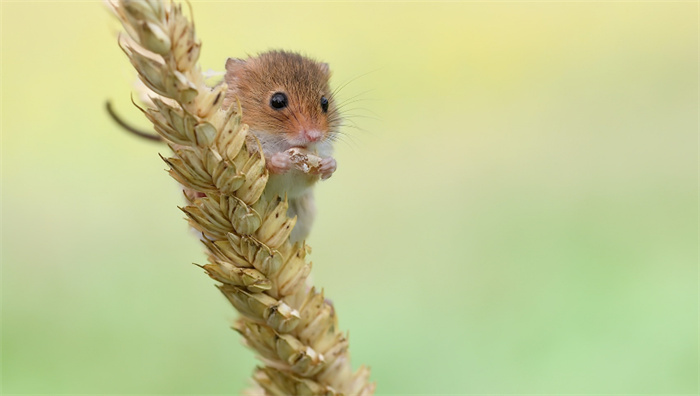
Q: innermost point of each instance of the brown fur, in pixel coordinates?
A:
(304, 81)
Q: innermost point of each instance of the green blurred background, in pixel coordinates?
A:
(516, 211)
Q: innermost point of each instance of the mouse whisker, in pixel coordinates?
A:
(293, 110)
(347, 140)
(357, 128)
(359, 94)
(351, 100)
(365, 110)
(345, 84)
(368, 117)
(280, 119)
(359, 110)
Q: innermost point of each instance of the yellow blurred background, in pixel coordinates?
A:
(515, 208)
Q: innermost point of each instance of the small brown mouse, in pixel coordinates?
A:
(287, 103)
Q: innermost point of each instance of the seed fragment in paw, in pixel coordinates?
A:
(304, 160)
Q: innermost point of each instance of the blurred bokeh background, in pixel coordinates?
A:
(515, 209)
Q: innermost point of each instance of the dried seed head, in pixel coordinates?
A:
(292, 327)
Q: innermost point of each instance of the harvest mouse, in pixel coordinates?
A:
(287, 103)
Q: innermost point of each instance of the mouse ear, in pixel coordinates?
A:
(233, 65)
(325, 68)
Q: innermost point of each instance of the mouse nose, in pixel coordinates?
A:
(312, 135)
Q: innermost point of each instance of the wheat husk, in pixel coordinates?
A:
(287, 322)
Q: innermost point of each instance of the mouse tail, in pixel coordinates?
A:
(129, 128)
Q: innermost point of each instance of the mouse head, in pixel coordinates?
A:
(285, 97)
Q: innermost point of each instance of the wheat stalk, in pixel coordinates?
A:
(291, 326)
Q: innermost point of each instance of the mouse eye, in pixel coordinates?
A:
(278, 101)
(324, 104)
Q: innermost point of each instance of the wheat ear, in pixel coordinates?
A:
(291, 326)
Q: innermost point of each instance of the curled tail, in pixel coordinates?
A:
(123, 124)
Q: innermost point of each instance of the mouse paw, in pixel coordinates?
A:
(327, 167)
(279, 163)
